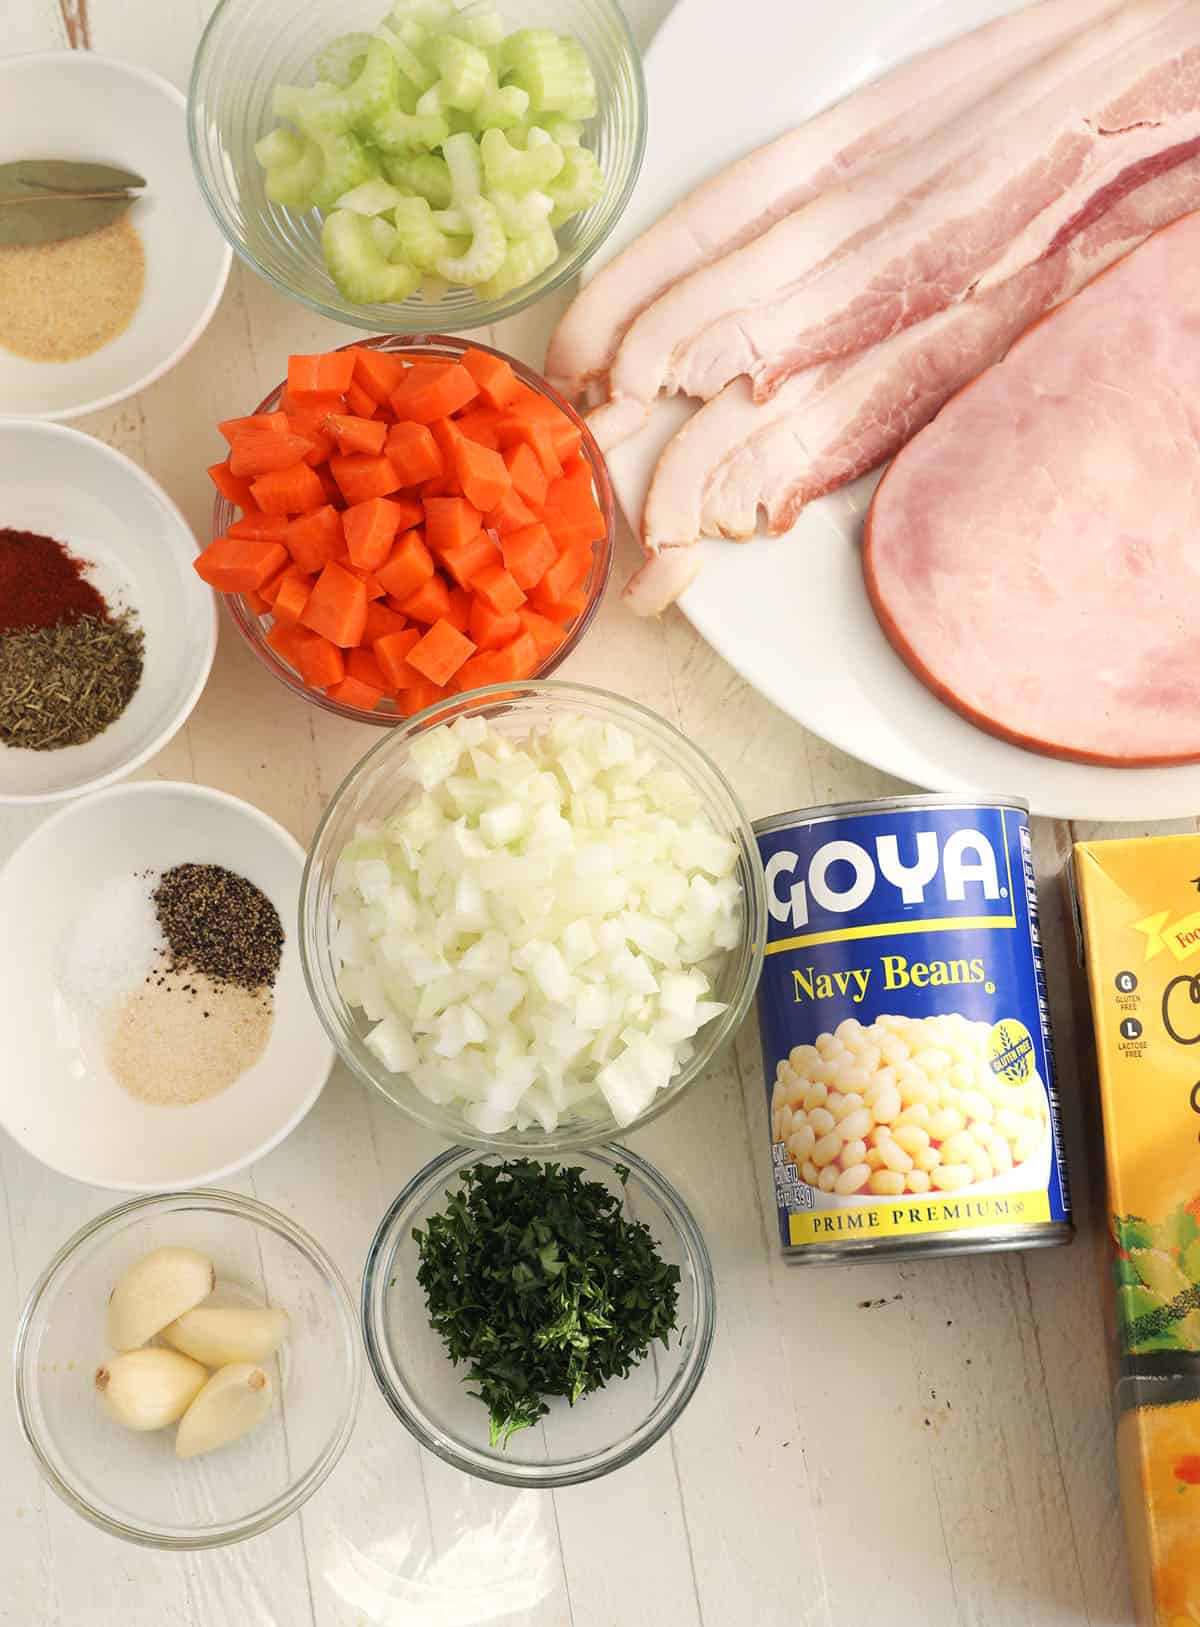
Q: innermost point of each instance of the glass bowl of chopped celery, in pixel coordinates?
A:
(532, 916)
(598, 1310)
(429, 167)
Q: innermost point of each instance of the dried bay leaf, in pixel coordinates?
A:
(43, 200)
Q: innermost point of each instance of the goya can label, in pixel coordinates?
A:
(905, 1031)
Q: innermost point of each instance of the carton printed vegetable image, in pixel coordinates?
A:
(1157, 1274)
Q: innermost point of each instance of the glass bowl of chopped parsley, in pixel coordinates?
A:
(538, 1323)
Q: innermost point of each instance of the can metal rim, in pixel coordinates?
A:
(839, 810)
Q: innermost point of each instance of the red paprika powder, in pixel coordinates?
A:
(41, 584)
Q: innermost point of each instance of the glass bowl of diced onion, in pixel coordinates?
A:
(532, 961)
(252, 46)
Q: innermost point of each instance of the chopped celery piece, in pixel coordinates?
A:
(564, 132)
(463, 68)
(421, 241)
(373, 197)
(501, 109)
(479, 26)
(432, 103)
(345, 163)
(418, 74)
(541, 64)
(322, 108)
(395, 132)
(453, 221)
(582, 102)
(375, 88)
(426, 174)
(520, 216)
(526, 259)
(434, 290)
(357, 263)
(505, 166)
(293, 164)
(427, 13)
(577, 186)
(461, 153)
(489, 246)
(386, 235)
(342, 59)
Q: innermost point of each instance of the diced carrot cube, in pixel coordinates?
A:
(528, 555)
(272, 585)
(564, 610)
(260, 527)
(360, 477)
(364, 665)
(496, 587)
(537, 435)
(321, 663)
(391, 652)
(516, 660)
(418, 696)
(231, 428)
(256, 602)
(286, 640)
(371, 529)
(314, 539)
(237, 565)
(449, 522)
(360, 403)
(354, 692)
(232, 487)
(479, 424)
(414, 453)
(352, 435)
(426, 393)
(288, 491)
(262, 451)
(497, 382)
(527, 475)
(475, 673)
(567, 572)
(547, 635)
(381, 620)
(459, 612)
(482, 474)
(328, 373)
(489, 629)
(408, 567)
(337, 607)
(429, 603)
(292, 595)
(440, 653)
(470, 557)
(376, 372)
(509, 514)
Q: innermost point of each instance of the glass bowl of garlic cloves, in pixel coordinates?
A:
(188, 1369)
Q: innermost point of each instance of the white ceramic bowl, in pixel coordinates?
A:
(67, 485)
(58, 1098)
(74, 104)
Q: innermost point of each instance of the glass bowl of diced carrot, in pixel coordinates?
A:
(407, 518)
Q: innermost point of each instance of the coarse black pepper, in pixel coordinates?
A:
(220, 924)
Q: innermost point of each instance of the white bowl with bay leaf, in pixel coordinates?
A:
(118, 1070)
(110, 266)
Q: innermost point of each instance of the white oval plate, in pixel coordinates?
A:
(57, 1097)
(100, 505)
(75, 104)
(790, 613)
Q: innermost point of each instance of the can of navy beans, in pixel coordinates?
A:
(905, 1032)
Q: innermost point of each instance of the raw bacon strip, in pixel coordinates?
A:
(827, 427)
(917, 232)
(736, 205)
(1032, 554)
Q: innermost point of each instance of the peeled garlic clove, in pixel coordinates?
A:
(148, 1389)
(219, 1336)
(155, 1291)
(231, 1404)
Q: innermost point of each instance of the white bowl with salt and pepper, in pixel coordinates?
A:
(81, 997)
(59, 483)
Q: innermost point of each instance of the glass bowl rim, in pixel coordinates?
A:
(245, 620)
(567, 266)
(566, 1472)
(754, 918)
(298, 1493)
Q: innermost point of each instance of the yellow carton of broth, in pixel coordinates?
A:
(1140, 910)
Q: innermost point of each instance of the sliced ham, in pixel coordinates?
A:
(826, 427)
(1033, 556)
(740, 202)
(918, 231)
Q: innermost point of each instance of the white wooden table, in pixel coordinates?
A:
(942, 1458)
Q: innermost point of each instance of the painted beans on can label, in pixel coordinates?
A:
(905, 1032)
